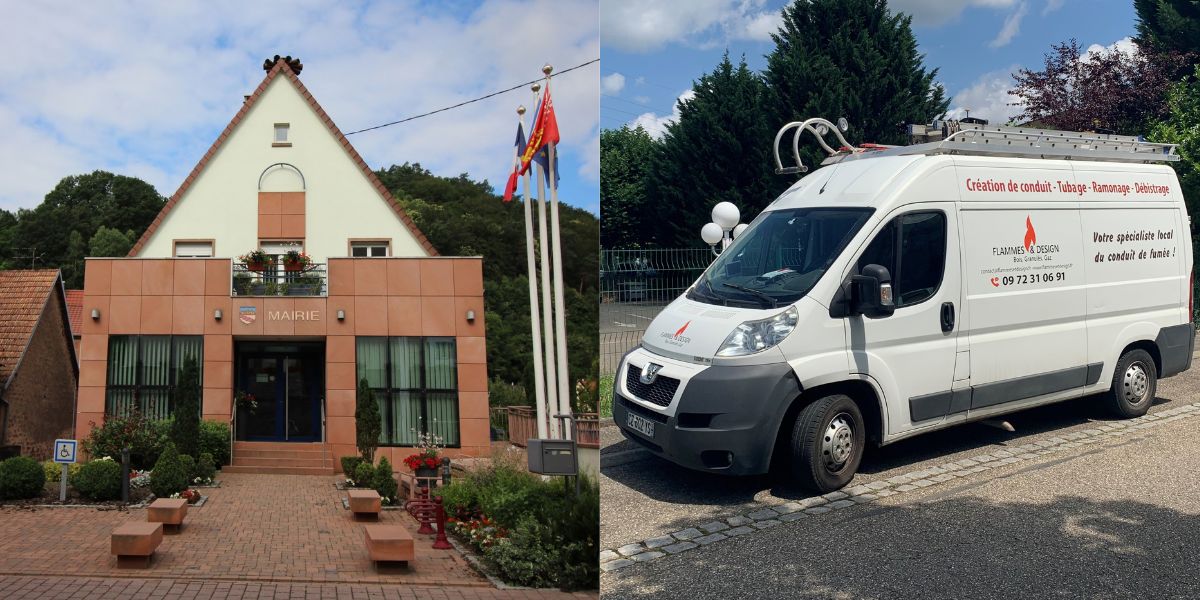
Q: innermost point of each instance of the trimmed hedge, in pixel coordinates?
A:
(168, 476)
(349, 464)
(98, 480)
(384, 482)
(206, 468)
(214, 440)
(364, 474)
(21, 477)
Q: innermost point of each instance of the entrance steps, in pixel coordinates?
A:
(281, 458)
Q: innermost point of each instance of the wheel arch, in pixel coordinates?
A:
(864, 393)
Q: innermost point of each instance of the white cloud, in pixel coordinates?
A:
(642, 99)
(656, 125)
(144, 87)
(1052, 5)
(1011, 27)
(612, 84)
(987, 98)
(647, 25)
(1124, 45)
(934, 13)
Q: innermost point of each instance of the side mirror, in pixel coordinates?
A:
(871, 292)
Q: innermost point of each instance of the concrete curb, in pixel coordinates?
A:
(770, 515)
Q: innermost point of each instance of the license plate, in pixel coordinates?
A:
(640, 424)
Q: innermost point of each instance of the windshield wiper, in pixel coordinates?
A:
(767, 297)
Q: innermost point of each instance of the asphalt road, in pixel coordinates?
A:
(1113, 519)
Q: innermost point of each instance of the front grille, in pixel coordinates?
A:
(660, 393)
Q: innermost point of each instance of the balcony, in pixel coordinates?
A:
(276, 280)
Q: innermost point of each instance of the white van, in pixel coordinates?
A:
(907, 289)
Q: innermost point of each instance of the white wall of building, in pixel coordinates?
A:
(222, 204)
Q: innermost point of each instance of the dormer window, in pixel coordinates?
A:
(281, 135)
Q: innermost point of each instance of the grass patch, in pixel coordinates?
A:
(606, 396)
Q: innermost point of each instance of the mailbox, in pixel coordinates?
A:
(552, 457)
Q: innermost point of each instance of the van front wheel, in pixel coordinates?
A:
(827, 443)
(1134, 384)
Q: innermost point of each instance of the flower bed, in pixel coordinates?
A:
(529, 532)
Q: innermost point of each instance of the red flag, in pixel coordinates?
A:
(511, 186)
(545, 131)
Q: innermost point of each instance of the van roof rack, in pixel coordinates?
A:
(957, 137)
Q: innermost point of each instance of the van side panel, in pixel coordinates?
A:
(1025, 295)
(1137, 259)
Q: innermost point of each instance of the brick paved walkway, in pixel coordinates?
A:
(280, 528)
(68, 588)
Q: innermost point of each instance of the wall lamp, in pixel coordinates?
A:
(470, 316)
(217, 314)
(341, 315)
(95, 314)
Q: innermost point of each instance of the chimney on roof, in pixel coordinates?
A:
(293, 63)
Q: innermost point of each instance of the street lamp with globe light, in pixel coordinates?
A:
(724, 227)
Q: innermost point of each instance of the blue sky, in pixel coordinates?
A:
(143, 87)
(653, 50)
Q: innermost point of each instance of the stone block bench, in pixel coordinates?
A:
(134, 543)
(365, 503)
(168, 511)
(389, 544)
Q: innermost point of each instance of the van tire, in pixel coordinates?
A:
(1134, 384)
(827, 443)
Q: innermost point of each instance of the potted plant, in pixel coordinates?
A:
(241, 283)
(256, 260)
(296, 260)
(305, 285)
(425, 462)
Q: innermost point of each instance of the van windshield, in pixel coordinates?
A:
(780, 257)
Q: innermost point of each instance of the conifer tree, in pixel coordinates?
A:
(855, 59)
(185, 430)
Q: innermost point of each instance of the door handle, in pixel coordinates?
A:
(947, 316)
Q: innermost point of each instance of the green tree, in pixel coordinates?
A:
(625, 158)
(8, 225)
(367, 422)
(185, 430)
(168, 476)
(719, 150)
(83, 203)
(853, 59)
(111, 242)
(1168, 26)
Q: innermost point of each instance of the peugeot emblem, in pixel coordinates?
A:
(650, 373)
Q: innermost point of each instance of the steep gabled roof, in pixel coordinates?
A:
(282, 67)
(24, 295)
(75, 310)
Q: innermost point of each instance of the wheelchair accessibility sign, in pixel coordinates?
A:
(64, 451)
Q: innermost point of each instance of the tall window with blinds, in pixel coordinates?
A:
(143, 369)
(415, 380)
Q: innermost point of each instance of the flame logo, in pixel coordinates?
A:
(682, 329)
(1030, 234)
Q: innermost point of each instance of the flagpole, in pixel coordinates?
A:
(539, 381)
(560, 310)
(552, 388)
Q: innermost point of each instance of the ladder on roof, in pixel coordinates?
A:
(954, 137)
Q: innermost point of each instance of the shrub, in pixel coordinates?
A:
(214, 440)
(189, 466)
(526, 557)
(144, 438)
(21, 477)
(364, 473)
(168, 476)
(186, 430)
(367, 422)
(384, 482)
(349, 463)
(54, 471)
(98, 480)
(206, 468)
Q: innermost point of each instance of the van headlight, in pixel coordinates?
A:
(756, 336)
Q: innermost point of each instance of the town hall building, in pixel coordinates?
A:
(288, 271)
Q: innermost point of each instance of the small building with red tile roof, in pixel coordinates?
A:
(38, 368)
(75, 313)
(288, 271)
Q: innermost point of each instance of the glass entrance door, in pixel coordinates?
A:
(286, 384)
